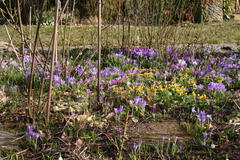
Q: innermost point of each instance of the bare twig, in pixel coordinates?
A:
(33, 62)
(11, 43)
(99, 48)
(30, 28)
(21, 32)
(54, 51)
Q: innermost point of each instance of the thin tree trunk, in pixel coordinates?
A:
(237, 6)
(212, 10)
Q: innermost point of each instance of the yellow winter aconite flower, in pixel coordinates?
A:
(114, 86)
(153, 89)
(176, 85)
(187, 70)
(161, 88)
(180, 90)
(193, 93)
(130, 88)
(202, 96)
(139, 89)
(220, 80)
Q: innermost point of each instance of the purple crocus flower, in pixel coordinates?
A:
(88, 90)
(30, 128)
(71, 80)
(116, 70)
(169, 48)
(187, 53)
(94, 71)
(116, 110)
(153, 115)
(135, 147)
(175, 139)
(14, 63)
(88, 80)
(31, 133)
(182, 62)
(28, 67)
(36, 135)
(115, 81)
(200, 86)
(181, 144)
(154, 107)
(193, 110)
(57, 79)
(15, 87)
(120, 132)
(4, 65)
(205, 135)
(27, 59)
(163, 138)
(79, 70)
(139, 101)
(119, 110)
(202, 116)
(27, 74)
(228, 80)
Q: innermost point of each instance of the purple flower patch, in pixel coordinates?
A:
(216, 86)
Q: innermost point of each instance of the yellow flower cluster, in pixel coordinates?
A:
(153, 88)
(202, 97)
(177, 88)
(139, 89)
(151, 92)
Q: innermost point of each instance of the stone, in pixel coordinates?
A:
(7, 141)
(155, 131)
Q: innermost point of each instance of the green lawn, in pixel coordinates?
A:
(222, 32)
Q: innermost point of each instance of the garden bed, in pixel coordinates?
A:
(140, 87)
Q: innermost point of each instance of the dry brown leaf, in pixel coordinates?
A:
(79, 143)
(90, 118)
(110, 115)
(99, 124)
(135, 120)
(82, 118)
(3, 98)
